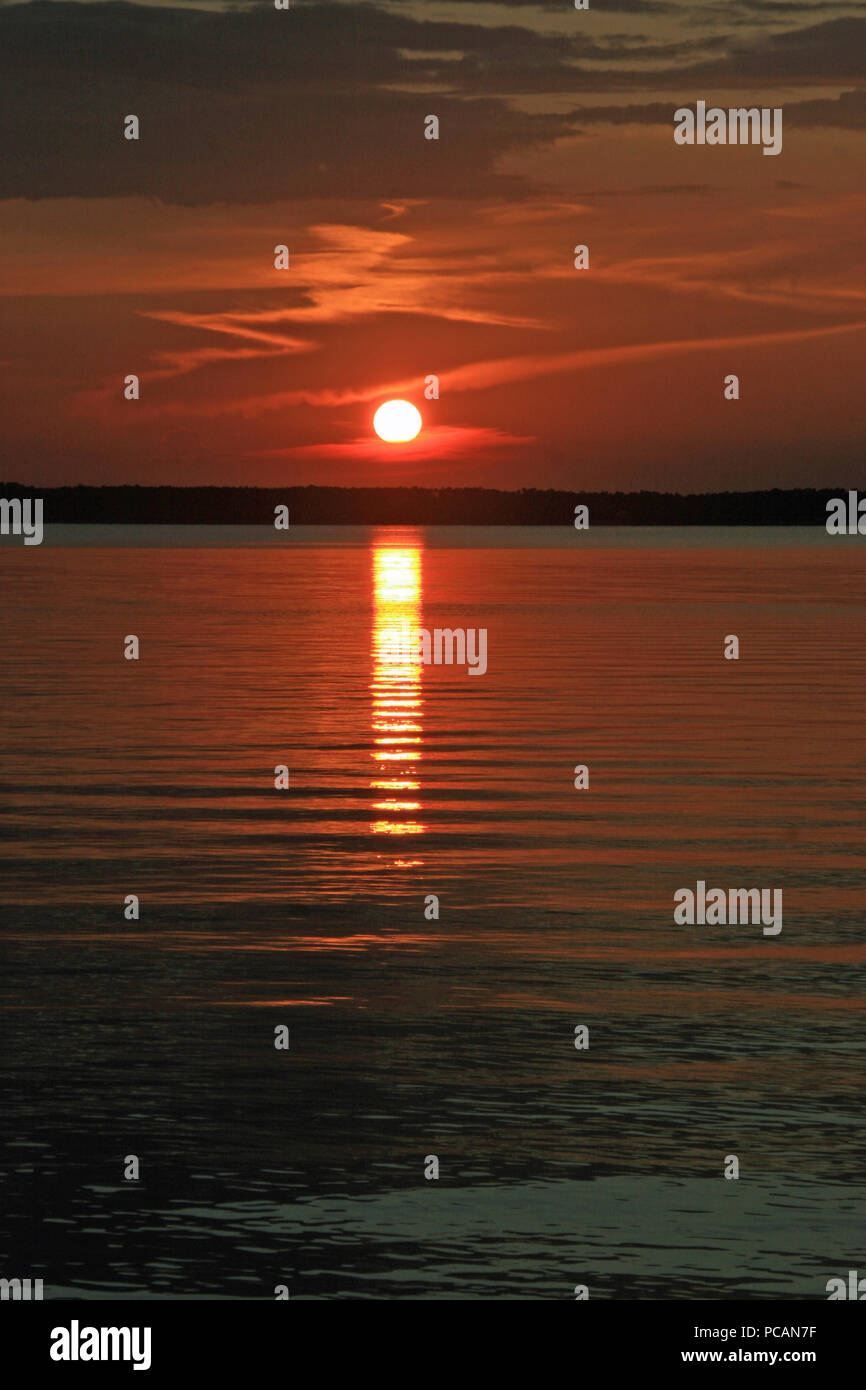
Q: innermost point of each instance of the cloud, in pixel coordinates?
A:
(175, 362)
(768, 274)
(437, 442)
(846, 111)
(652, 7)
(486, 374)
(355, 277)
(659, 190)
(792, 8)
(832, 51)
(477, 376)
(236, 325)
(255, 106)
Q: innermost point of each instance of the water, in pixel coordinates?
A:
(412, 1037)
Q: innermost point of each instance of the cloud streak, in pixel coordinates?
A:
(502, 371)
(437, 442)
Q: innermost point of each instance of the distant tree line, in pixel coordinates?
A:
(454, 506)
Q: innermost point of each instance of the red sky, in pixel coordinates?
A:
(412, 257)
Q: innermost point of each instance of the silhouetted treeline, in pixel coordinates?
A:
(454, 506)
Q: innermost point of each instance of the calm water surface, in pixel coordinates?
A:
(453, 1036)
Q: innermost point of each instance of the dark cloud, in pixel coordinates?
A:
(329, 99)
(317, 45)
(749, 14)
(250, 149)
(255, 105)
(790, 8)
(651, 7)
(251, 106)
(654, 190)
(831, 51)
(846, 112)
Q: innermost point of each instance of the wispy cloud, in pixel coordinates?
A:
(436, 442)
(501, 371)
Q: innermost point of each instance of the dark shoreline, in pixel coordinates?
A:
(336, 506)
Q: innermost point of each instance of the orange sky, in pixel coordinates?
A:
(411, 257)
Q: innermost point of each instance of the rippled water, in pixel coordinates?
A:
(410, 1036)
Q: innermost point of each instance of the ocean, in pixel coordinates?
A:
(431, 907)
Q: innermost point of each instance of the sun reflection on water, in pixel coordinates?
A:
(396, 690)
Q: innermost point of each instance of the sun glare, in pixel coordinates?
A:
(397, 421)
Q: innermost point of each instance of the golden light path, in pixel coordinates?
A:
(396, 690)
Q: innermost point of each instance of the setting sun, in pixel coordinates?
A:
(397, 421)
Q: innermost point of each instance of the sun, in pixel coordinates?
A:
(397, 421)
